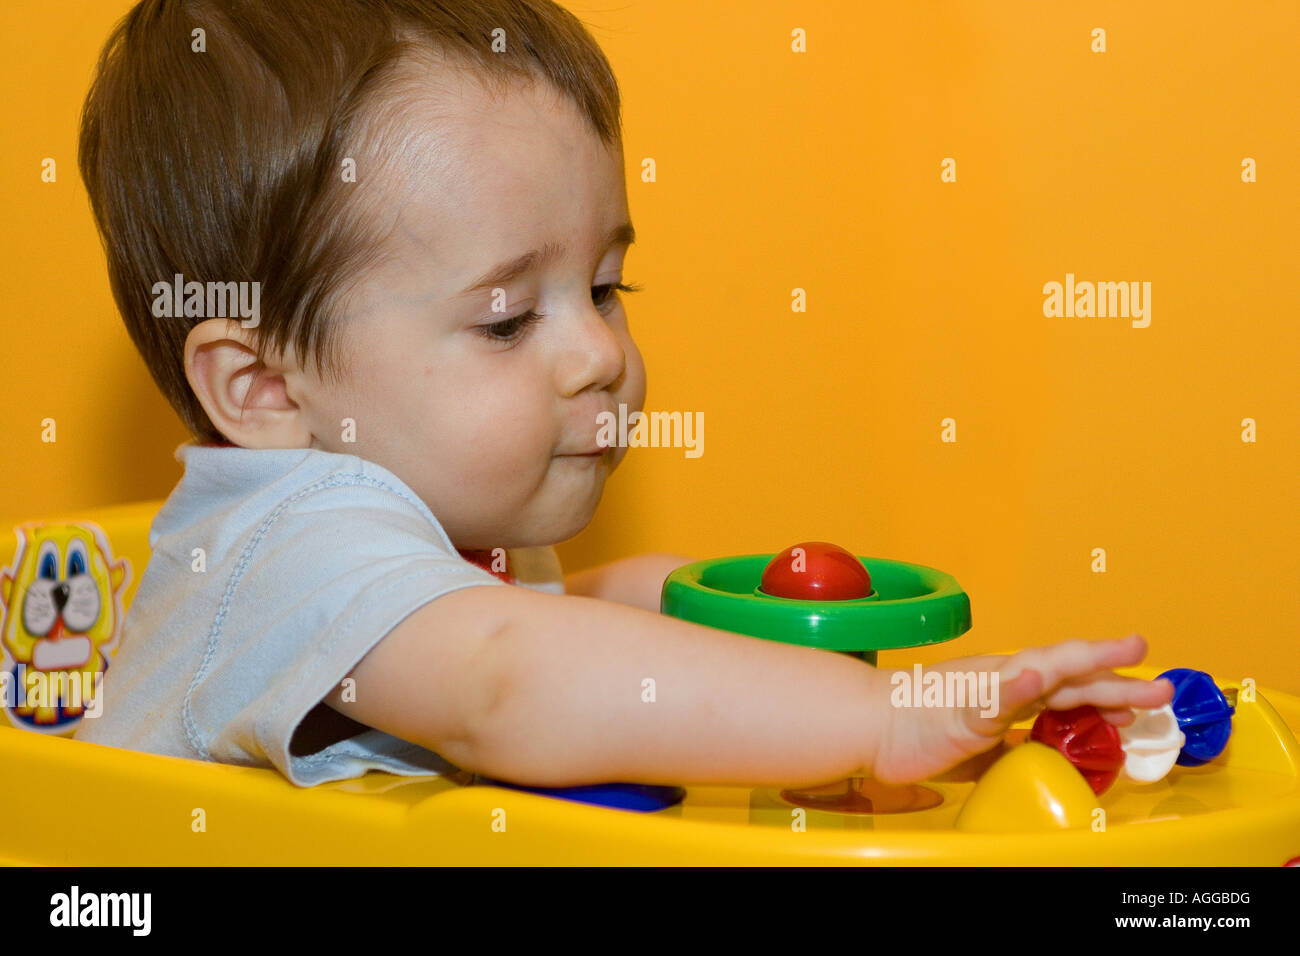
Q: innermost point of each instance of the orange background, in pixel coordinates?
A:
(821, 170)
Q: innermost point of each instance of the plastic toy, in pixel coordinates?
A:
(1204, 715)
(1151, 744)
(1030, 790)
(68, 802)
(816, 571)
(909, 606)
(624, 796)
(1085, 739)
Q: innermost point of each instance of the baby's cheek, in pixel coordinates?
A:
(506, 453)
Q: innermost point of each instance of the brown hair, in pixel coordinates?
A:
(225, 165)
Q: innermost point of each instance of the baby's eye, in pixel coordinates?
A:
(510, 330)
(602, 294)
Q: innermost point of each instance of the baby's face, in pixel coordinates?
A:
(482, 413)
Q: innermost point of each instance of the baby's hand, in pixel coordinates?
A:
(920, 742)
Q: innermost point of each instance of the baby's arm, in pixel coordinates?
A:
(637, 580)
(552, 690)
(549, 690)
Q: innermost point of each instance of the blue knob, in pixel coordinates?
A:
(1204, 715)
(643, 798)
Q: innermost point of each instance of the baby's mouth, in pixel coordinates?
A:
(590, 451)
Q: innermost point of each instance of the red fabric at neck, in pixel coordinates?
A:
(484, 560)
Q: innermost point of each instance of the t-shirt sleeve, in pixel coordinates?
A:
(324, 578)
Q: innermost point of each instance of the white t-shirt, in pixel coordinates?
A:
(309, 559)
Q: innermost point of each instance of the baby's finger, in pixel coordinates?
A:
(984, 662)
(1112, 691)
(1119, 718)
(1014, 697)
(1078, 658)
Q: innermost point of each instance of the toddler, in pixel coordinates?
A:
(372, 251)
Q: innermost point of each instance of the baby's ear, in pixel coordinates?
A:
(245, 399)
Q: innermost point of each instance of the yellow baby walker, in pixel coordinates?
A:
(1216, 781)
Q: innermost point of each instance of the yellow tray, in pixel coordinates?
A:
(67, 802)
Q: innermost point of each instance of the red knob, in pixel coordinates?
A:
(1084, 737)
(816, 571)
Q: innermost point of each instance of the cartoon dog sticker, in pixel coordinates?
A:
(60, 610)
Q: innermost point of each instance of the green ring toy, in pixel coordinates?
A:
(910, 605)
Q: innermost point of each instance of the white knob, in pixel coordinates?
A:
(1151, 744)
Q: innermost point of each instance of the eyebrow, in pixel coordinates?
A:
(539, 258)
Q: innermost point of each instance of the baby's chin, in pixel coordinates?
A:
(544, 534)
(573, 515)
(558, 521)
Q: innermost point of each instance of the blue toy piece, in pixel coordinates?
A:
(1204, 715)
(621, 796)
